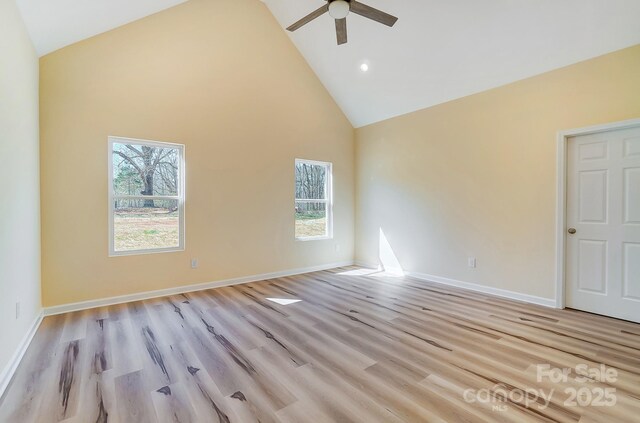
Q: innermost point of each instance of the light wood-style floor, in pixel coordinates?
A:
(356, 348)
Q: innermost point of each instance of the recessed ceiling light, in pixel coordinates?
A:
(364, 67)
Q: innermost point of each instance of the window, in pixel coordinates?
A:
(314, 208)
(146, 196)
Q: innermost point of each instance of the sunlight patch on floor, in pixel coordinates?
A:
(359, 272)
(284, 301)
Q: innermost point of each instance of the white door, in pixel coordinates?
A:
(603, 223)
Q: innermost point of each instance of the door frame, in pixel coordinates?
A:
(561, 194)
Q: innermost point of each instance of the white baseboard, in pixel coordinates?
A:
(547, 302)
(369, 265)
(12, 365)
(66, 308)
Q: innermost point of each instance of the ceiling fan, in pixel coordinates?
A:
(339, 9)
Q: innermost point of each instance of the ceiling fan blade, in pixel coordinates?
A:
(371, 13)
(311, 16)
(341, 30)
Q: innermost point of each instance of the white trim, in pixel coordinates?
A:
(150, 143)
(311, 200)
(14, 362)
(180, 197)
(65, 308)
(313, 238)
(369, 265)
(146, 197)
(313, 162)
(547, 302)
(561, 199)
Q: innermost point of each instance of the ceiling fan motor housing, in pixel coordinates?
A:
(339, 9)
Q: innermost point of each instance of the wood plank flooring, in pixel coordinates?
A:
(357, 347)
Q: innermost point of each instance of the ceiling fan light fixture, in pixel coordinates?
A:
(339, 9)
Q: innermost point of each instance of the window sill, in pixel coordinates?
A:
(145, 252)
(314, 238)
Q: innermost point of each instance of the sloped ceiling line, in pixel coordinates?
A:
(439, 50)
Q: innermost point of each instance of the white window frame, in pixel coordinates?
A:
(328, 200)
(180, 197)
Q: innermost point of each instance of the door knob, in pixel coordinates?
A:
(572, 231)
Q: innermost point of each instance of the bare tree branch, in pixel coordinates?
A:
(132, 148)
(131, 162)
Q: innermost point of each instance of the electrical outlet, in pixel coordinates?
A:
(17, 310)
(194, 263)
(337, 248)
(471, 262)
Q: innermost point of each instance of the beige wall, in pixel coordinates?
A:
(223, 79)
(477, 176)
(19, 206)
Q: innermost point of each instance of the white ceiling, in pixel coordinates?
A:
(53, 24)
(440, 50)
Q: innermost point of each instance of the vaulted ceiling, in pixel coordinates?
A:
(53, 24)
(439, 50)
